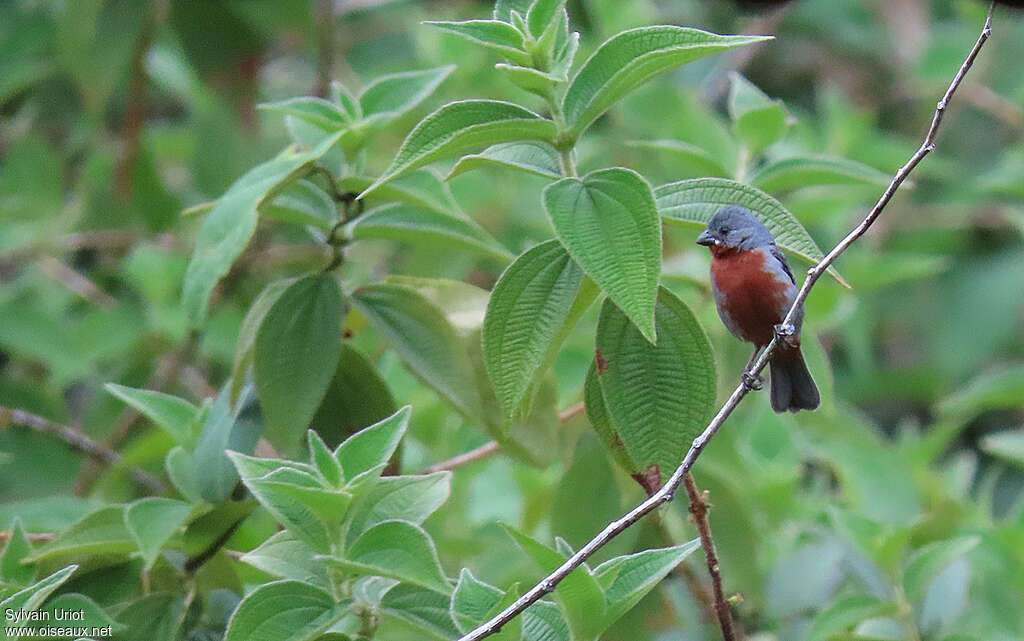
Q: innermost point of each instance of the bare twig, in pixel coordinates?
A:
(483, 451)
(76, 283)
(77, 440)
(324, 14)
(570, 413)
(666, 493)
(33, 537)
(699, 510)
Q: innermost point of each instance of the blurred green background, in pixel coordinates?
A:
(117, 115)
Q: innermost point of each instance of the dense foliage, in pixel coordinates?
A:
(245, 321)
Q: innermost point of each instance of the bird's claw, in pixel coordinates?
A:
(787, 333)
(752, 382)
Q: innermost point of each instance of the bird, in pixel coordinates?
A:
(754, 289)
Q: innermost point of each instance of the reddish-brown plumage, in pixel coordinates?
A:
(753, 297)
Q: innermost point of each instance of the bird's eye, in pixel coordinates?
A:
(725, 230)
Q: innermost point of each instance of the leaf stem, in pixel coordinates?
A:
(699, 510)
(667, 492)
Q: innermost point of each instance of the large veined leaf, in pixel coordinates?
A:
(284, 611)
(493, 34)
(601, 420)
(533, 306)
(631, 58)
(472, 600)
(408, 498)
(295, 355)
(532, 157)
(414, 224)
(608, 222)
(759, 120)
(463, 126)
(424, 609)
(694, 202)
(392, 95)
(398, 550)
(803, 171)
(421, 188)
(424, 338)
(660, 396)
(229, 226)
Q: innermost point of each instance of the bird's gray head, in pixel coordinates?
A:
(735, 227)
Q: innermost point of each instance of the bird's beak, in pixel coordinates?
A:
(707, 239)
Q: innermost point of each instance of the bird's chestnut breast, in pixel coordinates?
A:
(748, 292)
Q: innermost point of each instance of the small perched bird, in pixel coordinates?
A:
(754, 289)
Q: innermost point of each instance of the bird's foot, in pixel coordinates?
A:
(787, 334)
(751, 382)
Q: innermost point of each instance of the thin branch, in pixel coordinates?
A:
(666, 493)
(483, 451)
(33, 537)
(77, 440)
(325, 18)
(76, 283)
(570, 413)
(699, 510)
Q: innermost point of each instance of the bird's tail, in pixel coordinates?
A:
(793, 388)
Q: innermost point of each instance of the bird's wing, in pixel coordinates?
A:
(779, 256)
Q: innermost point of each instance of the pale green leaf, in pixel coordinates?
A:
(803, 171)
(295, 355)
(659, 397)
(236, 428)
(532, 157)
(543, 621)
(845, 613)
(29, 599)
(1007, 445)
(372, 447)
(461, 127)
(631, 58)
(284, 611)
(414, 225)
(425, 609)
(531, 310)
(229, 226)
(694, 202)
(759, 120)
(392, 95)
(322, 114)
(247, 333)
(403, 498)
(174, 415)
(693, 158)
(627, 579)
(181, 469)
(493, 34)
(12, 570)
(88, 615)
(421, 188)
(323, 458)
(530, 79)
(398, 550)
(303, 203)
(541, 14)
(472, 601)
(286, 556)
(102, 531)
(608, 222)
(927, 562)
(152, 521)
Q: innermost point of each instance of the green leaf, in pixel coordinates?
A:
(284, 611)
(155, 617)
(631, 58)
(296, 353)
(1007, 445)
(543, 621)
(323, 458)
(88, 615)
(100, 532)
(398, 550)
(303, 203)
(627, 579)
(529, 79)
(371, 448)
(247, 333)
(34, 595)
(472, 601)
(390, 96)
(12, 570)
(424, 609)
(181, 469)
(845, 613)
(579, 594)
(322, 114)
(660, 396)
(284, 501)
(694, 202)
(459, 127)
(357, 397)
(693, 158)
(288, 557)
(541, 14)
(601, 420)
(229, 226)
(927, 562)
(532, 308)
(421, 188)
(504, 8)
(493, 34)
(532, 157)
(608, 222)
(759, 120)
(413, 225)
(425, 340)
(174, 415)
(803, 171)
(225, 428)
(403, 498)
(152, 521)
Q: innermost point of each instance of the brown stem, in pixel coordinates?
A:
(666, 493)
(324, 13)
(40, 537)
(77, 440)
(699, 510)
(481, 452)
